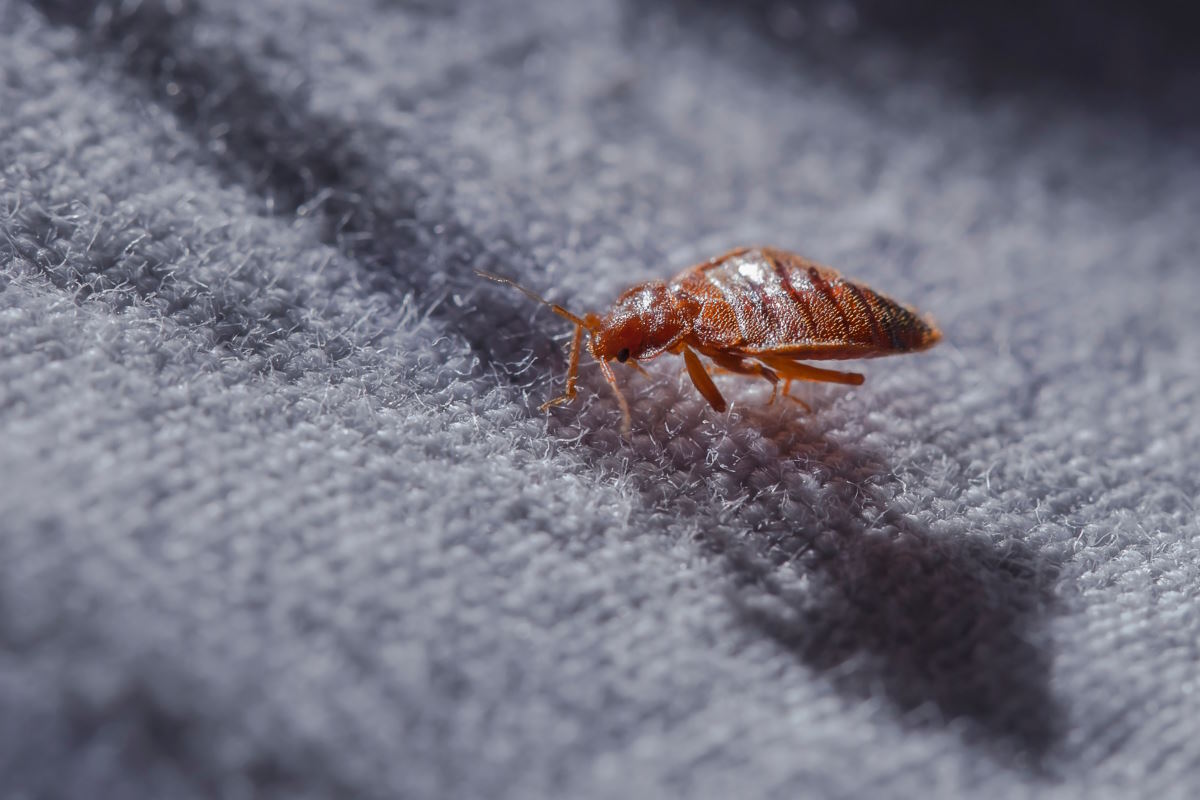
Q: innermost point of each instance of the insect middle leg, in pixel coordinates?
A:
(702, 381)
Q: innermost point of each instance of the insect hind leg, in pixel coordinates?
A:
(744, 366)
(741, 366)
(792, 370)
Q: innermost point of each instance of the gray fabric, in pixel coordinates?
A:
(280, 517)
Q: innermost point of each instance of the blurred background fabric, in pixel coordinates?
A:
(279, 516)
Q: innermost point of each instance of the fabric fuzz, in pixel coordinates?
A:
(279, 516)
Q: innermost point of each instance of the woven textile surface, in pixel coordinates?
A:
(279, 516)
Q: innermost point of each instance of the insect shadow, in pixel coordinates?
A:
(947, 626)
(947, 631)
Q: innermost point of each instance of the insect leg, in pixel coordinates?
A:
(612, 381)
(702, 381)
(742, 366)
(787, 388)
(572, 372)
(637, 367)
(794, 370)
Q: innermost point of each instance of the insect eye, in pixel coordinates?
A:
(623, 356)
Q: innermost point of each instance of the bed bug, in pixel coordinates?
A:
(755, 311)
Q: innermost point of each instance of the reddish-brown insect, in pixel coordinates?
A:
(755, 311)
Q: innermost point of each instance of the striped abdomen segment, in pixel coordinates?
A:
(766, 300)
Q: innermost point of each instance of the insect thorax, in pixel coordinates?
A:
(643, 322)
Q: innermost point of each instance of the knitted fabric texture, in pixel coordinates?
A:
(279, 516)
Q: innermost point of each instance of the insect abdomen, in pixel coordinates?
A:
(766, 300)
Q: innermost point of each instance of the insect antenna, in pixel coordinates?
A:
(532, 295)
(589, 323)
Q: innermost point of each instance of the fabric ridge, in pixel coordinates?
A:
(279, 516)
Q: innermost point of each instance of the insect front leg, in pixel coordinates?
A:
(572, 373)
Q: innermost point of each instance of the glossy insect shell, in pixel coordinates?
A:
(758, 301)
(643, 322)
(755, 311)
